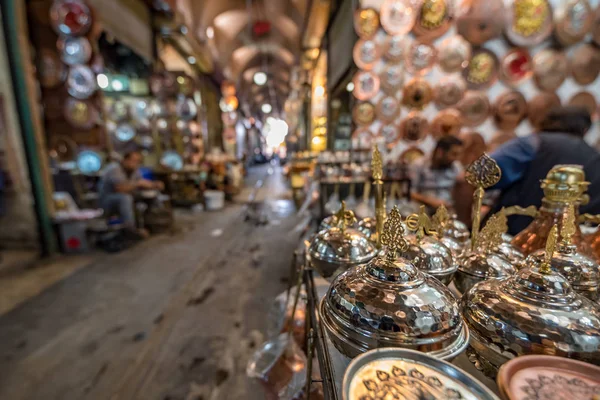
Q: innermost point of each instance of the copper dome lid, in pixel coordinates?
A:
(388, 302)
(534, 311)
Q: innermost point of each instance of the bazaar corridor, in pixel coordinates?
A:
(174, 317)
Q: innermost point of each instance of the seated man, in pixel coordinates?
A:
(119, 182)
(433, 179)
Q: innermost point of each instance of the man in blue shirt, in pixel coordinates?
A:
(525, 161)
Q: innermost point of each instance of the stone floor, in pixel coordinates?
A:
(176, 317)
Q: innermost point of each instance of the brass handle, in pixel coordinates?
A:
(530, 211)
(589, 219)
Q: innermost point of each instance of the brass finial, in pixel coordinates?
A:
(376, 165)
(393, 234)
(491, 234)
(550, 247)
(440, 218)
(568, 226)
(377, 172)
(421, 224)
(344, 218)
(482, 173)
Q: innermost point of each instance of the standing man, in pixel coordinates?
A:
(433, 180)
(119, 182)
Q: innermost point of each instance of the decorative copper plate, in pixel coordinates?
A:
(70, 17)
(51, 71)
(573, 19)
(417, 93)
(363, 113)
(397, 16)
(392, 78)
(510, 108)
(516, 66)
(390, 132)
(388, 108)
(395, 48)
(449, 92)
(474, 107)
(366, 22)
(540, 105)
(530, 22)
(420, 57)
(596, 27)
(366, 85)
(585, 64)
(414, 127)
(480, 20)
(366, 54)
(446, 122)
(80, 114)
(411, 155)
(362, 138)
(433, 20)
(454, 54)
(550, 69)
(482, 69)
(81, 82)
(74, 50)
(587, 101)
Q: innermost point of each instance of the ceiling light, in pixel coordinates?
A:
(350, 86)
(260, 78)
(266, 108)
(192, 60)
(102, 81)
(117, 85)
(210, 32)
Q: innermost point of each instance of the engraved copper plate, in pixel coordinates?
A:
(390, 132)
(529, 22)
(392, 78)
(585, 64)
(80, 113)
(587, 101)
(449, 92)
(397, 16)
(81, 82)
(411, 155)
(366, 22)
(395, 48)
(363, 113)
(74, 50)
(388, 108)
(480, 20)
(540, 105)
(414, 127)
(454, 54)
(433, 20)
(365, 54)
(417, 93)
(420, 57)
(446, 122)
(474, 107)
(482, 70)
(510, 108)
(70, 17)
(51, 71)
(366, 85)
(550, 69)
(573, 19)
(362, 138)
(516, 66)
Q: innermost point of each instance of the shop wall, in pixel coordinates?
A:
(17, 215)
(488, 129)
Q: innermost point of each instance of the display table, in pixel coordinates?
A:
(333, 364)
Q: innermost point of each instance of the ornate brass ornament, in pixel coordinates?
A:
(393, 235)
(421, 224)
(377, 173)
(440, 219)
(344, 218)
(530, 211)
(482, 174)
(491, 234)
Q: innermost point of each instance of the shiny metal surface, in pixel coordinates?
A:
(457, 230)
(333, 251)
(480, 266)
(390, 373)
(368, 227)
(457, 249)
(531, 312)
(511, 253)
(431, 255)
